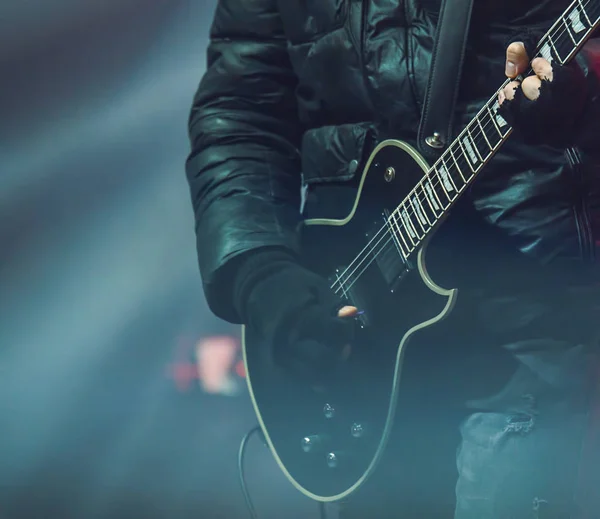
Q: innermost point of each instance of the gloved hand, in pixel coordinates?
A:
(295, 310)
(546, 107)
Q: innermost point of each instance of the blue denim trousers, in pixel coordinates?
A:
(497, 417)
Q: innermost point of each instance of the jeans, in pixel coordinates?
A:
(515, 389)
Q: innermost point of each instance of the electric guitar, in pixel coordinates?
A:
(327, 443)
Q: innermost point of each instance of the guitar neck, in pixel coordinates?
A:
(430, 200)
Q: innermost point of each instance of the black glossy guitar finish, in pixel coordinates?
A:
(327, 441)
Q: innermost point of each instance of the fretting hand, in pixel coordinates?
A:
(546, 106)
(517, 62)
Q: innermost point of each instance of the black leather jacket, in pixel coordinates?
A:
(300, 89)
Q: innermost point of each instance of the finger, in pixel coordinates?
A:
(517, 60)
(347, 311)
(501, 97)
(531, 87)
(508, 92)
(542, 69)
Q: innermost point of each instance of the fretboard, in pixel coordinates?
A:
(455, 170)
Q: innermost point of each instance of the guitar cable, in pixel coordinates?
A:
(242, 474)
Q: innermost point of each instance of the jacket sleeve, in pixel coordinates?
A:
(244, 165)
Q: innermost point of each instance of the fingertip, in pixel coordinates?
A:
(516, 51)
(347, 311)
(517, 59)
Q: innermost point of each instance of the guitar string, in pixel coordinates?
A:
(343, 280)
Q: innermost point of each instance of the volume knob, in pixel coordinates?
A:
(311, 443)
(333, 460)
(328, 411)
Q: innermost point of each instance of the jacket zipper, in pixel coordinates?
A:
(581, 209)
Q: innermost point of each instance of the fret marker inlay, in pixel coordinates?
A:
(446, 178)
(499, 119)
(431, 196)
(419, 210)
(407, 224)
(470, 151)
(576, 22)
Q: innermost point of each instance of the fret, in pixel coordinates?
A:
(462, 163)
(463, 180)
(418, 212)
(472, 144)
(575, 30)
(432, 208)
(447, 180)
(546, 52)
(592, 10)
(575, 17)
(490, 145)
(432, 197)
(489, 128)
(390, 225)
(501, 123)
(495, 123)
(413, 232)
(564, 38)
(409, 225)
(569, 31)
(479, 140)
(393, 217)
(556, 53)
(440, 191)
(442, 182)
(463, 153)
(469, 154)
(443, 187)
(420, 198)
(413, 218)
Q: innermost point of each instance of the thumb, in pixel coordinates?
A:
(347, 311)
(517, 60)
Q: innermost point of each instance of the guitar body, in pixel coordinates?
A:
(328, 442)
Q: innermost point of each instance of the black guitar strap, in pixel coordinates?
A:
(435, 130)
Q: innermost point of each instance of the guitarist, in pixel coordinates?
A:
(296, 95)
